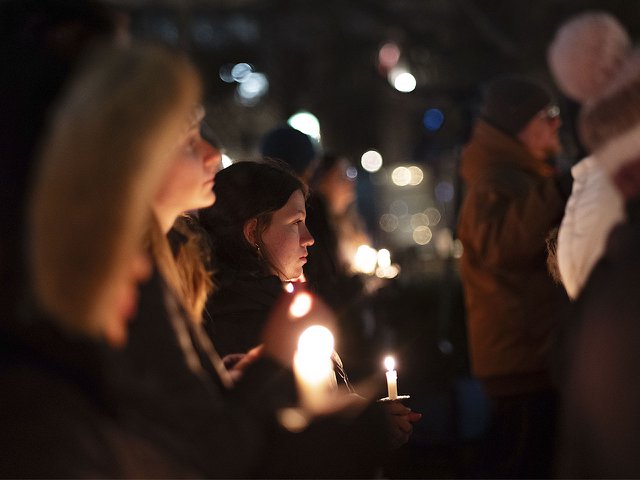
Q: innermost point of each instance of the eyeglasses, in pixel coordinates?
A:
(550, 113)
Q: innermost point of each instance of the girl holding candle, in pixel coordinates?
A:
(259, 243)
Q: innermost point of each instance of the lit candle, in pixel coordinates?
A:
(392, 377)
(301, 305)
(313, 367)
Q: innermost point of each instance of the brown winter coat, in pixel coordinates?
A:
(513, 306)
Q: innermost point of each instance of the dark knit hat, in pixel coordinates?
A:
(509, 103)
(289, 145)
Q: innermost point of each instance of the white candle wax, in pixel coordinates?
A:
(392, 378)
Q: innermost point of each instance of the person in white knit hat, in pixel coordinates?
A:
(586, 56)
(595, 205)
(600, 430)
(586, 53)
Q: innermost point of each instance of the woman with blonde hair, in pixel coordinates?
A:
(108, 148)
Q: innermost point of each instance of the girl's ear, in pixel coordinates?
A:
(249, 231)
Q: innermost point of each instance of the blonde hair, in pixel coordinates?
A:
(108, 147)
(184, 270)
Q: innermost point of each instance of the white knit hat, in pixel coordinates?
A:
(586, 53)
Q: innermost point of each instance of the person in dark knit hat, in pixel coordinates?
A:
(291, 146)
(513, 198)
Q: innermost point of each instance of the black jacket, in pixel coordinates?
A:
(238, 310)
(600, 430)
(58, 417)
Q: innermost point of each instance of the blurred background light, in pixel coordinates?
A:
(433, 119)
(402, 80)
(401, 176)
(415, 175)
(388, 56)
(422, 235)
(419, 220)
(434, 216)
(254, 86)
(366, 259)
(371, 161)
(225, 73)
(444, 191)
(307, 123)
(352, 172)
(226, 160)
(399, 207)
(241, 72)
(388, 222)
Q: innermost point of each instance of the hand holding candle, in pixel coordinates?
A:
(290, 316)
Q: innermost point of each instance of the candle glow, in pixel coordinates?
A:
(313, 367)
(301, 305)
(392, 377)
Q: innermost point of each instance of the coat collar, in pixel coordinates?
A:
(491, 148)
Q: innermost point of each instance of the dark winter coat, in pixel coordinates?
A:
(168, 387)
(238, 310)
(58, 417)
(513, 306)
(169, 383)
(600, 426)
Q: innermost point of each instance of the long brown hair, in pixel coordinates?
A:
(184, 267)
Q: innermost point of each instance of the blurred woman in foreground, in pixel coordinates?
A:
(108, 148)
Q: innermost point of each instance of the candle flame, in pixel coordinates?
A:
(301, 305)
(389, 363)
(288, 287)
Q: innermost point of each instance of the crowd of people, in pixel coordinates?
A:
(150, 318)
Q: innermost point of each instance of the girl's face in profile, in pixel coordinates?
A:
(286, 238)
(189, 182)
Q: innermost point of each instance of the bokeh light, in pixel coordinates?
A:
(415, 175)
(366, 259)
(388, 222)
(241, 72)
(316, 342)
(371, 161)
(384, 258)
(433, 119)
(422, 235)
(399, 207)
(404, 82)
(419, 220)
(434, 216)
(444, 191)
(307, 123)
(301, 305)
(389, 55)
(226, 160)
(401, 176)
(254, 85)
